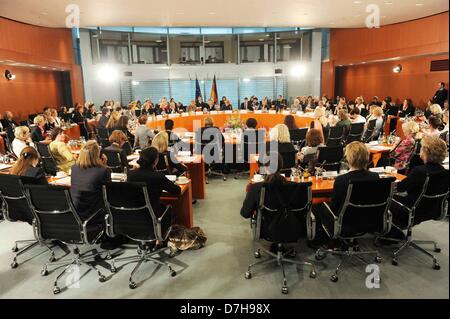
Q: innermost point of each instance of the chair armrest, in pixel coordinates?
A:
(330, 212)
(164, 215)
(311, 225)
(86, 222)
(408, 209)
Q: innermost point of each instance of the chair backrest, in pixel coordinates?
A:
(355, 133)
(369, 132)
(48, 161)
(56, 217)
(114, 161)
(13, 200)
(335, 136)
(366, 208)
(163, 163)
(331, 157)
(210, 141)
(103, 133)
(415, 159)
(289, 159)
(298, 135)
(432, 204)
(282, 212)
(130, 212)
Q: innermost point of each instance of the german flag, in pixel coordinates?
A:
(214, 95)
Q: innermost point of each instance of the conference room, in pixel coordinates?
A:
(238, 150)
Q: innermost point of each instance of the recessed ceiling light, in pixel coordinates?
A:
(306, 13)
(261, 40)
(44, 13)
(388, 3)
(357, 2)
(158, 41)
(419, 4)
(212, 13)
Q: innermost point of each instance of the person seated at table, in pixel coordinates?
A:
(289, 121)
(314, 140)
(172, 108)
(265, 105)
(78, 116)
(445, 130)
(320, 122)
(167, 162)
(361, 106)
(254, 103)
(200, 104)
(156, 181)
(433, 152)
(407, 109)
(145, 108)
(280, 103)
(92, 112)
(8, 121)
(403, 149)
(246, 105)
(222, 101)
(280, 139)
(355, 116)
(251, 123)
(173, 138)
(143, 134)
(435, 124)
(377, 116)
(358, 158)
(343, 119)
(296, 107)
(435, 110)
(87, 177)
(38, 133)
(28, 165)
(61, 151)
(130, 112)
(227, 106)
(389, 108)
(104, 118)
(50, 122)
(22, 139)
(191, 107)
(118, 140)
(114, 121)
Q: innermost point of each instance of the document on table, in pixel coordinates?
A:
(62, 181)
(5, 166)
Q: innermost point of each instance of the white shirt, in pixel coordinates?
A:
(359, 119)
(18, 146)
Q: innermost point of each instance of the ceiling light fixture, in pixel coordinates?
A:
(397, 69)
(9, 75)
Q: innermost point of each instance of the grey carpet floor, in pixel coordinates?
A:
(217, 271)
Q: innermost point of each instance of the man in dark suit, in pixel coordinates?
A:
(441, 95)
(104, 118)
(200, 104)
(280, 103)
(246, 105)
(8, 121)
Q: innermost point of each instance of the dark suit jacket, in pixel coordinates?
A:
(103, 121)
(9, 124)
(36, 135)
(408, 112)
(249, 106)
(341, 184)
(78, 117)
(169, 166)
(413, 184)
(86, 189)
(156, 184)
(440, 96)
(37, 174)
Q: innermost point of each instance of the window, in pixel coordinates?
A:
(256, 48)
(190, 52)
(288, 46)
(214, 52)
(260, 87)
(148, 49)
(110, 47)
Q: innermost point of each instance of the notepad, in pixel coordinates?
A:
(5, 166)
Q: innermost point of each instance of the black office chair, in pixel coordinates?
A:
(57, 219)
(365, 211)
(48, 161)
(355, 133)
(432, 204)
(15, 208)
(114, 161)
(335, 136)
(330, 158)
(369, 133)
(289, 160)
(130, 214)
(298, 135)
(103, 137)
(415, 159)
(211, 146)
(282, 218)
(252, 143)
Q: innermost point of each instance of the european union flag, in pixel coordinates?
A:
(198, 91)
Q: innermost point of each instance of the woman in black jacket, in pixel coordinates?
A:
(156, 182)
(27, 166)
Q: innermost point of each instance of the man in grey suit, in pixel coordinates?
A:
(143, 134)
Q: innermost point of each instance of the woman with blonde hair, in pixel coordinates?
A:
(27, 165)
(320, 121)
(167, 160)
(114, 120)
(88, 175)
(22, 139)
(280, 140)
(38, 133)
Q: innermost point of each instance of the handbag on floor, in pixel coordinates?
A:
(183, 238)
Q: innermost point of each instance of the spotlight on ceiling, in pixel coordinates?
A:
(9, 76)
(397, 69)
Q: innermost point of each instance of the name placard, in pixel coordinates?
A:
(243, 111)
(184, 114)
(228, 112)
(159, 117)
(258, 112)
(199, 113)
(272, 112)
(213, 112)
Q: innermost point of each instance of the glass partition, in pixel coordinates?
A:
(148, 49)
(256, 48)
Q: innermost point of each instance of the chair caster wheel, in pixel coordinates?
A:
(236, 178)
(52, 259)
(284, 290)
(132, 285)
(312, 274)
(56, 290)
(436, 266)
(394, 262)
(257, 254)
(101, 278)
(173, 273)
(319, 256)
(15, 249)
(437, 250)
(334, 278)
(248, 275)
(378, 259)
(113, 270)
(207, 182)
(224, 179)
(108, 257)
(44, 272)
(14, 264)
